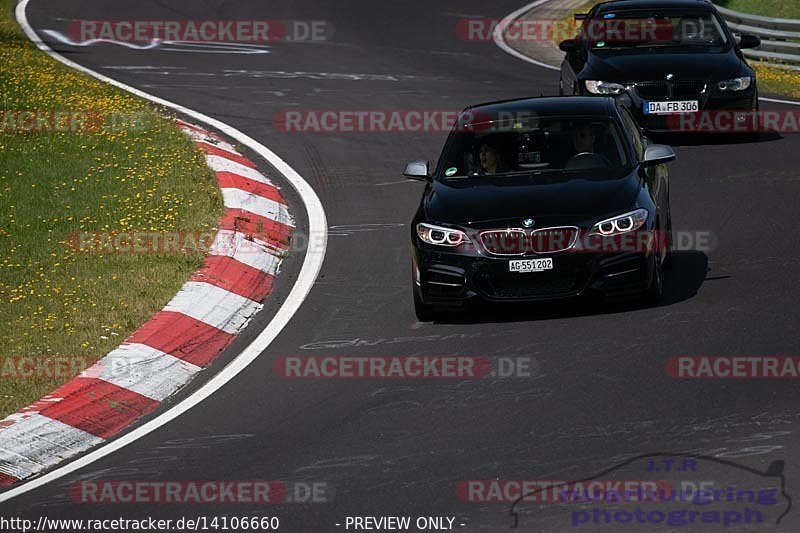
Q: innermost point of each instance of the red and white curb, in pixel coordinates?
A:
(178, 342)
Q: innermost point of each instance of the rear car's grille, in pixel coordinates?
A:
(522, 286)
(680, 89)
(518, 242)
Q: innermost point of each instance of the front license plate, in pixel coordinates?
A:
(530, 265)
(670, 108)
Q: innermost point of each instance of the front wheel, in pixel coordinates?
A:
(669, 259)
(656, 289)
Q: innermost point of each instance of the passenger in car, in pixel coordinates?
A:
(491, 162)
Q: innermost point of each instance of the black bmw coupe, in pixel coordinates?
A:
(665, 58)
(538, 199)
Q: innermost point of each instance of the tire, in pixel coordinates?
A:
(668, 260)
(656, 289)
(754, 136)
(424, 312)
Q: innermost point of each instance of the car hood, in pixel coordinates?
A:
(639, 65)
(555, 199)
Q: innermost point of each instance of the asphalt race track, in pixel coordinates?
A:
(399, 447)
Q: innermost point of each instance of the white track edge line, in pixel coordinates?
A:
(500, 29)
(312, 264)
(778, 101)
(500, 41)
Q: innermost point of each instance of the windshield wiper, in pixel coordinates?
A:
(676, 45)
(500, 175)
(640, 46)
(531, 172)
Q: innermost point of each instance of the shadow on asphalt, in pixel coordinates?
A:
(681, 282)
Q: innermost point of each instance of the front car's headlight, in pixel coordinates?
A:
(621, 223)
(441, 236)
(735, 84)
(604, 87)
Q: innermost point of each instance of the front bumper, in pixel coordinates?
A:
(711, 102)
(444, 277)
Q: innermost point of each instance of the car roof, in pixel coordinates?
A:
(545, 106)
(625, 5)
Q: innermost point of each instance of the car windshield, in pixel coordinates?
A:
(655, 29)
(579, 147)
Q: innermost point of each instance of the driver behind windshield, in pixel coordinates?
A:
(587, 154)
(583, 138)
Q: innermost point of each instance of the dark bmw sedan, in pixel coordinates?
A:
(541, 199)
(665, 58)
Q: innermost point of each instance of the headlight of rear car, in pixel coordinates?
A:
(735, 84)
(441, 236)
(621, 223)
(603, 87)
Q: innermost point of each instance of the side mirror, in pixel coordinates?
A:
(570, 45)
(581, 16)
(749, 41)
(417, 170)
(657, 154)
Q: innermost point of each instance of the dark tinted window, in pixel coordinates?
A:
(657, 28)
(633, 131)
(543, 144)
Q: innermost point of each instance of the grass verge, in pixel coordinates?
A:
(785, 9)
(136, 172)
(777, 81)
